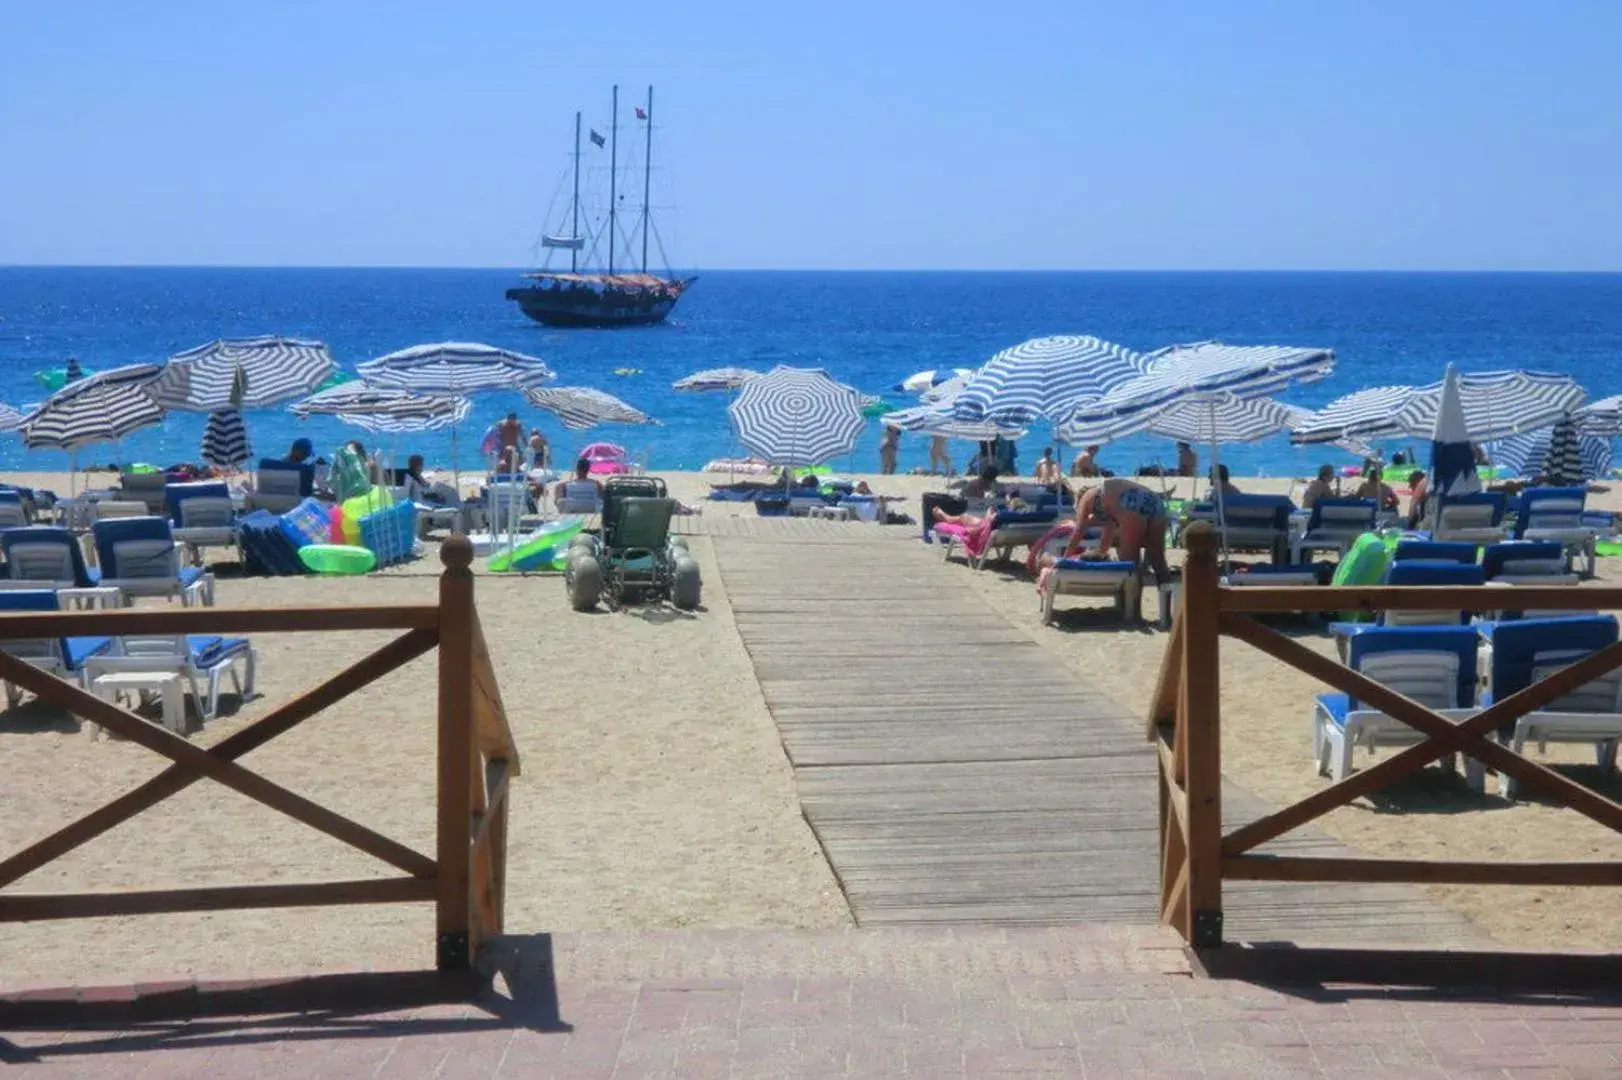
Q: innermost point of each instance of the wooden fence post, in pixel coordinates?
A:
(1202, 740)
(452, 912)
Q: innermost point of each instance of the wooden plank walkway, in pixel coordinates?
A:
(955, 772)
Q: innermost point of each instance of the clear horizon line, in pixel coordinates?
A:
(840, 270)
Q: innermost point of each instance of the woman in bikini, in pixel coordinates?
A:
(1133, 520)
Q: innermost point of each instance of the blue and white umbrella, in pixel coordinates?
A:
(1528, 455)
(1453, 457)
(225, 439)
(1040, 379)
(1602, 417)
(583, 407)
(938, 420)
(796, 416)
(384, 411)
(725, 378)
(100, 408)
(921, 381)
(1366, 414)
(1184, 374)
(1494, 404)
(265, 370)
(454, 368)
(1228, 419)
(11, 419)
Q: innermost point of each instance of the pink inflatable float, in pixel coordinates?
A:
(607, 459)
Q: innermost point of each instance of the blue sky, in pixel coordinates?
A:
(1444, 134)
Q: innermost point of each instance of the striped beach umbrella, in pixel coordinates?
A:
(724, 378)
(10, 419)
(225, 439)
(248, 373)
(1366, 414)
(1207, 372)
(1041, 378)
(938, 420)
(1602, 417)
(1494, 404)
(919, 382)
(1528, 455)
(583, 407)
(99, 408)
(453, 368)
(1226, 420)
(796, 416)
(386, 411)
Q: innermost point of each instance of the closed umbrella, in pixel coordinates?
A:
(796, 416)
(225, 439)
(583, 407)
(1563, 461)
(1453, 457)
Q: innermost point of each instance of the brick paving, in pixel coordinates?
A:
(1082, 1002)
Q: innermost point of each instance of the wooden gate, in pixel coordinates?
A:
(1185, 722)
(476, 762)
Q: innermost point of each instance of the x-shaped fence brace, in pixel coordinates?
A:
(192, 763)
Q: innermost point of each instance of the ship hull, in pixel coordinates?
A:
(546, 307)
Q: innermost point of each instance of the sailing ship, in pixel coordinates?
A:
(612, 295)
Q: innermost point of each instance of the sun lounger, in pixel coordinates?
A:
(13, 514)
(202, 515)
(281, 485)
(63, 657)
(202, 661)
(1334, 525)
(1414, 572)
(46, 554)
(1476, 518)
(140, 556)
(1435, 551)
(1249, 523)
(1527, 650)
(1558, 514)
(1081, 577)
(1434, 666)
(145, 488)
(1010, 529)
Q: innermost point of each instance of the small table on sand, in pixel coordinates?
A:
(168, 685)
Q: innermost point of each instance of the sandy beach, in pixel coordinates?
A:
(655, 792)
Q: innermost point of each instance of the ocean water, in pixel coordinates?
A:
(868, 329)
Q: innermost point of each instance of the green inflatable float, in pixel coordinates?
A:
(545, 549)
(337, 559)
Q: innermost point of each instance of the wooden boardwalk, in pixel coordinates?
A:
(955, 772)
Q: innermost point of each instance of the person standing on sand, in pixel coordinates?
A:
(939, 460)
(539, 451)
(511, 432)
(1134, 522)
(887, 449)
(1188, 462)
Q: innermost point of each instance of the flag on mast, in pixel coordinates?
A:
(641, 114)
(596, 138)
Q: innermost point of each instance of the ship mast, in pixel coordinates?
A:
(574, 227)
(613, 174)
(647, 175)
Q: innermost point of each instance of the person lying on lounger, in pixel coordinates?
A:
(1133, 520)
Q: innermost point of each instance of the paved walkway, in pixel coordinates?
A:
(932, 1003)
(954, 772)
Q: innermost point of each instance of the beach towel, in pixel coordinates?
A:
(975, 538)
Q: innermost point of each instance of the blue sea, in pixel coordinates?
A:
(869, 329)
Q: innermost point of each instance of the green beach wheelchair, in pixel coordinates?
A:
(635, 557)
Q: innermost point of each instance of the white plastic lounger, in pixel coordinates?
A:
(1590, 714)
(1080, 577)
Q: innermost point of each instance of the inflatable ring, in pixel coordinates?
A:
(337, 559)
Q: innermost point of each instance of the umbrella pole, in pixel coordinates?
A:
(1216, 485)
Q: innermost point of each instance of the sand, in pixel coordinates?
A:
(655, 793)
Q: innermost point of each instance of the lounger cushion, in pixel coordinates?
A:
(208, 650)
(1005, 518)
(1094, 566)
(1335, 706)
(79, 649)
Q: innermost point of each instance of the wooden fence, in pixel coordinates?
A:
(1185, 723)
(476, 763)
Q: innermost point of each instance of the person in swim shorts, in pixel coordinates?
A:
(1134, 522)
